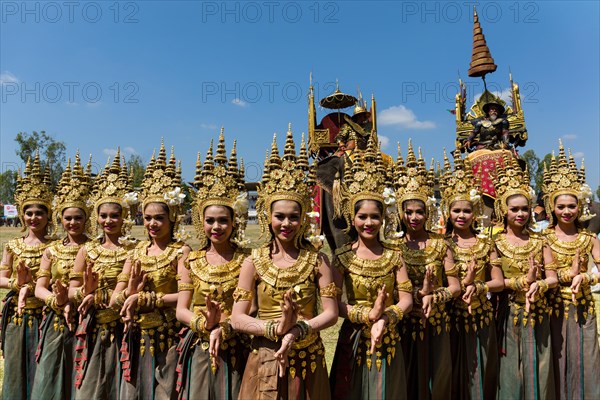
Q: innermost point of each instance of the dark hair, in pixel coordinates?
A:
(112, 204)
(353, 233)
(404, 204)
(43, 207)
(450, 225)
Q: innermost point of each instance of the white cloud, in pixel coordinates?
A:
(208, 126)
(8, 77)
(239, 103)
(384, 140)
(578, 155)
(570, 136)
(402, 117)
(124, 151)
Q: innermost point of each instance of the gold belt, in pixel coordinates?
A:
(106, 316)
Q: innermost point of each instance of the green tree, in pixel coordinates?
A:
(52, 151)
(533, 165)
(598, 193)
(136, 164)
(8, 183)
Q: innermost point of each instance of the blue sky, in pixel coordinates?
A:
(98, 75)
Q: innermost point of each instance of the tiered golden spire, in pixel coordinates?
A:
(482, 62)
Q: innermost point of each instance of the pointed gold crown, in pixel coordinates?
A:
(412, 181)
(563, 177)
(366, 179)
(33, 187)
(510, 180)
(285, 178)
(112, 186)
(459, 184)
(220, 183)
(73, 190)
(162, 183)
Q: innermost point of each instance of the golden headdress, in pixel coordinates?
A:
(563, 177)
(285, 178)
(113, 186)
(366, 179)
(510, 180)
(33, 187)
(73, 190)
(162, 184)
(220, 183)
(459, 184)
(412, 181)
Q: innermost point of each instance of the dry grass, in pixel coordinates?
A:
(329, 335)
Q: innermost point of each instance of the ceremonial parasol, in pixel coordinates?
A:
(338, 100)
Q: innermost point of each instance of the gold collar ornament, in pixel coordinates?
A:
(285, 178)
(162, 184)
(366, 179)
(563, 177)
(33, 187)
(113, 186)
(511, 180)
(73, 190)
(459, 184)
(220, 183)
(412, 181)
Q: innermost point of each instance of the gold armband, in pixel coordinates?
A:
(405, 286)
(75, 275)
(551, 266)
(241, 294)
(185, 287)
(330, 290)
(5, 267)
(496, 263)
(44, 273)
(123, 277)
(452, 271)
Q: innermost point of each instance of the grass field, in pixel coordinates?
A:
(329, 335)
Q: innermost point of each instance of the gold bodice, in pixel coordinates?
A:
(418, 260)
(217, 280)
(563, 253)
(363, 278)
(108, 263)
(62, 259)
(462, 257)
(160, 269)
(515, 259)
(32, 255)
(273, 282)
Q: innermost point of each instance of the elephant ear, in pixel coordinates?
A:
(327, 170)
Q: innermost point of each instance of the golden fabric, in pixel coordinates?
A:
(563, 254)
(161, 269)
(416, 262)
(32, 255)
(108, 263)
(220, 281)
(462, 257)
(63, 259)
(273, 282)
(364, 278)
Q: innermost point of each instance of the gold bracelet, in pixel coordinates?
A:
(160, 301)
(405, 286)
(75, 275)
(5, 267)
(542, 286)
